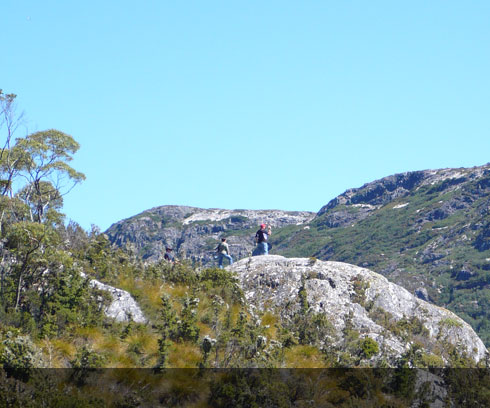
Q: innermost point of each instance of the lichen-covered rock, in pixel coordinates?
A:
(123, 307)
(365, 300)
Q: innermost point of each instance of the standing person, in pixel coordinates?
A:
(169, 256)
(223, 252)
(261, 238)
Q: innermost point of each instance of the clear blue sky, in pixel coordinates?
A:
(248, 104)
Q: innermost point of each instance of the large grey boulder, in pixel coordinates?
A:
(122, 308)
(346, 293)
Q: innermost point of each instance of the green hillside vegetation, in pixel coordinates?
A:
(415, 245)
(196, 320)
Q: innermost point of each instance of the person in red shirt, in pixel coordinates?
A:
(261, 238)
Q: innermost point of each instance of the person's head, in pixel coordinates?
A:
(262, 226)
(168, 249)
(223, 239)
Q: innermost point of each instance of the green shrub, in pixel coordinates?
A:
(187, 328)
(359, 286)
(450, 322)
(369, 347)
(431, 360)
(182, 273)
(221, 282)
(18, 355)
(86, 358)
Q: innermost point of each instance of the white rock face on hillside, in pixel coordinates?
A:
(123, 308)
(346, 292)
(275, 217)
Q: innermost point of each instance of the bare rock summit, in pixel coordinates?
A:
(355, 297)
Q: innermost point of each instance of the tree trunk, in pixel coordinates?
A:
(19, 286)
(2, 277)
(19, 281)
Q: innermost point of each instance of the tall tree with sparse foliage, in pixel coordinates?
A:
(47, 172)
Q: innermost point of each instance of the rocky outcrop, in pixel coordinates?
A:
(122, 308)
(357, 297)
(194, 233)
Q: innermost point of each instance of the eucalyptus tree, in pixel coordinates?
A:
(34, 169)
(48, 176)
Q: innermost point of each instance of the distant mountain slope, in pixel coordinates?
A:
(428, 231)
(194, 232)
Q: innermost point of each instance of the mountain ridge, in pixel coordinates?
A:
(195, 232)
